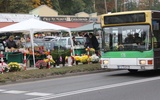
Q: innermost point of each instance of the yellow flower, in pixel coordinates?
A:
(66, 57)
(12, 65)
(92, 49)
(77, 58)
(84, 58)
(47, 60)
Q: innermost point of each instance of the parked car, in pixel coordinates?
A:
(49, 45)
(66, 43)
(51, 38)
(2, 47)
(39, 42)
(28, 44)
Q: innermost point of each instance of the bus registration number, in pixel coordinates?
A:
(123, 67)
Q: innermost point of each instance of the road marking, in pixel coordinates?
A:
(14, 92)
(38, 94)
(94, 89)
(1, 90)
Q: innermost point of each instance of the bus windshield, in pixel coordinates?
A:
(126, 38)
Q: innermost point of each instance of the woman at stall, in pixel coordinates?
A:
(10, 43)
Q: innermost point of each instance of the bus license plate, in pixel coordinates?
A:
(123, 67)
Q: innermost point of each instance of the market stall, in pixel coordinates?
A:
(32, 26)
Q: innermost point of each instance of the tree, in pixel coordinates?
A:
(71, 7)
(56, 6)
(89, 6)
(37, 3)
(99, 6)
(15, 6)
(132, 5)
(4, 4)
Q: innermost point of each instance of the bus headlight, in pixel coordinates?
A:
(142, 62)
(105, 61)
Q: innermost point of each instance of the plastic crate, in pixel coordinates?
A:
(15, 57)
(79, 51)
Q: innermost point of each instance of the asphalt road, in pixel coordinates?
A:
(116, 85)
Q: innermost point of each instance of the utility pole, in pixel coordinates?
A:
(105, 6)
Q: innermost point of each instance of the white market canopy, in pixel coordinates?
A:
(88, 27)
(32, 26)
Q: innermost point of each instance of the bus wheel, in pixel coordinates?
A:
(133, 70)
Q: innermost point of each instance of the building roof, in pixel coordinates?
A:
(65, 24)
(70, 24)
(39, 7)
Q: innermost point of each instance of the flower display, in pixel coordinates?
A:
(77, 58)
(4, 68)
(66, 58)
(51, 61)
(41, 64)
(90, 50)
(14, 66)
(85, 59)
(94, 58)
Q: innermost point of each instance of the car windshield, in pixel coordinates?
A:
(1, 46)
(80, 40)
(62, 42)
(29, 44)
(126, 38)
(47, 45)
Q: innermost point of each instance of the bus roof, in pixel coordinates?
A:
(129, 12)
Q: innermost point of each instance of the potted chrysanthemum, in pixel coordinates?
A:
(94, 58)
(85, 59)
(41, 64)
(14, 66)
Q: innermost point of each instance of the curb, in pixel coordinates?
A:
(54, 76)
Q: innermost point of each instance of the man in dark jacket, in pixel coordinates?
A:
(95, 43)
(88, 42)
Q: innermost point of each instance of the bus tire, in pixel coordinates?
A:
(133, 70)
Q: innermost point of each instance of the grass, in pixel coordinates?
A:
(44, 73)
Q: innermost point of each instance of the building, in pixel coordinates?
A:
(45, 13)
(71, 21)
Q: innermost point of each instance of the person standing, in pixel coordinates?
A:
(11, 43)
(94, 42)
(88, 42)
(74, 41)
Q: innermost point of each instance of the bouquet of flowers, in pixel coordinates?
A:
(90, 50)
(41, 64)
(77, 58)
(4, 67)
(49, 58)
(14, 66)
(84, 59)
(94, 58)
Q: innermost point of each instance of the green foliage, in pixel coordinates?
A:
(57, 53)
(15, 6)
(71, 7)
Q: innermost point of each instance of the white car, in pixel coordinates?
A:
(66, 43)
(51, 38)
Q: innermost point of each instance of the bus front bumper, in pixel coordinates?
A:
(147, 67)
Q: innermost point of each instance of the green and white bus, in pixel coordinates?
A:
(131, 40)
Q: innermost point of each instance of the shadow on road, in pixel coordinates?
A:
(148, 73)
